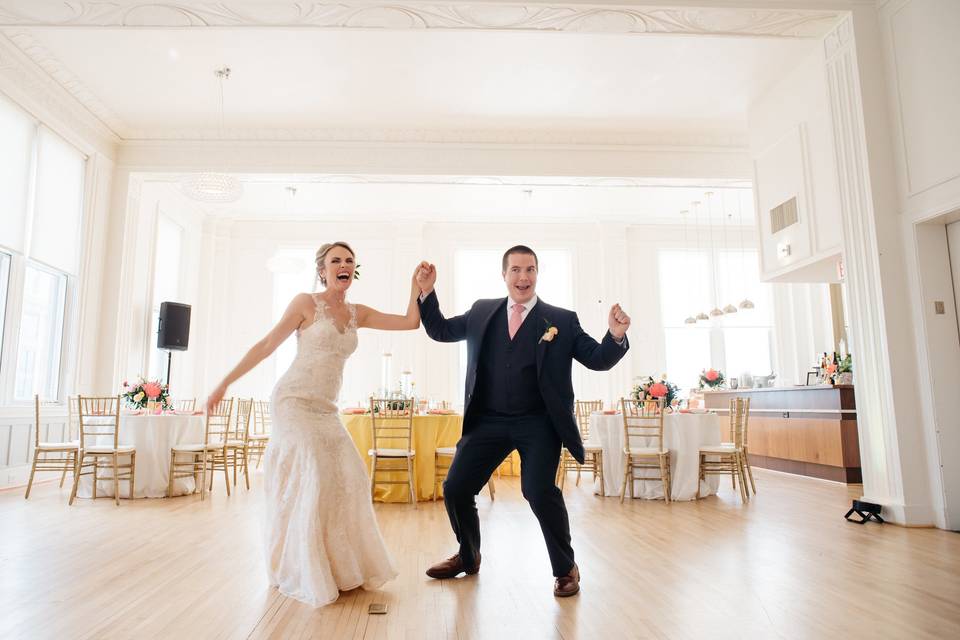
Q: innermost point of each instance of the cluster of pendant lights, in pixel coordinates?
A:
(744, 304)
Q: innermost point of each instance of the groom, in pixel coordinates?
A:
(518, 396)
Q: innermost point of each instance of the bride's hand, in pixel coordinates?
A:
(426, 277)
(215, 397)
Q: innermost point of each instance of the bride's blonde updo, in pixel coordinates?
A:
(322, 255)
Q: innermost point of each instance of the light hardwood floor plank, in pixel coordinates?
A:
(786, 565)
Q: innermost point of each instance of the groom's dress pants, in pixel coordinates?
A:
(478, 455)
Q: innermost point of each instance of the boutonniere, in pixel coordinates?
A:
(549, 334)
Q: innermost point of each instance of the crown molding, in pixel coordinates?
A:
(531, 16)
(48, 100)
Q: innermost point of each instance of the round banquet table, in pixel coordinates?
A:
(429, 432)
(153, 436)
(683, 435)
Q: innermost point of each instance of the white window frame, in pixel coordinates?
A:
(9, 341)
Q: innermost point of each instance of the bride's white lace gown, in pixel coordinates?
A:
(322, 534)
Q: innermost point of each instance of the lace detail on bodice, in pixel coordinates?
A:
(316, 373)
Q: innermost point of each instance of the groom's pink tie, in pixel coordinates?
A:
(516, 319)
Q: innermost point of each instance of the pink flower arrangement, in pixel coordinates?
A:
(712, 378)
(152, 389)
(657, 390)
(145, 391)
(712, 375)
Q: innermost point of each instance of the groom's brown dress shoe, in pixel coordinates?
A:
(452, 567)
(568, 585)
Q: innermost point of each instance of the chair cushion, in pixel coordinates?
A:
(123, 448)
(259, 436)
(720, 448)
(391, 453)
(644, 451)
(58, 446)
(234, 443)
(193, 448)
(592, 448)
(446, 451)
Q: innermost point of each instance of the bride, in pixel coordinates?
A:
(321, 532)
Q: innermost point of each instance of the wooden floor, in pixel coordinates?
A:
(784, 566)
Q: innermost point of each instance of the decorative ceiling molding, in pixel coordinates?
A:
(59, 72)
(36, 89)
(576, 18)
(691, 141)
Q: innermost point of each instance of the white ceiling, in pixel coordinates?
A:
(471, 199)
(150, 82)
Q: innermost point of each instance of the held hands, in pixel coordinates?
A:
(426, 277)
(618, 321)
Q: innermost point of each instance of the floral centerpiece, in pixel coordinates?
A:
(650, 389)
(845, 371)
(137, 396)
(711, 378)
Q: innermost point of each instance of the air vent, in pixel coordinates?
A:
(783, 215)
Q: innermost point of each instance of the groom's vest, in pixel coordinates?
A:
(507, 370)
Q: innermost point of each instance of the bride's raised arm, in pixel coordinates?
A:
(373, 319)
(293, 317)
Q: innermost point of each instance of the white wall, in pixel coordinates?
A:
(791, 144)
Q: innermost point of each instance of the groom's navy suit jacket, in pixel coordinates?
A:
(554, 358)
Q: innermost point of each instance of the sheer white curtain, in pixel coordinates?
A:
(166, 285)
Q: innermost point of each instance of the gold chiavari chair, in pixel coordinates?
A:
(191, 460)
(643, 444)
(187, 404)
(99, 417)
(442, 459)
(392, 424)
(52, 456)
(728, 458)
(260, 432)
(238, 446)
(220, 434)
(593, 454)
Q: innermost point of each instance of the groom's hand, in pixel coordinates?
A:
(426, 278)
(618, 321)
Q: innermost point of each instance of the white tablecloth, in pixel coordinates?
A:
(683, 435)
(153, 436)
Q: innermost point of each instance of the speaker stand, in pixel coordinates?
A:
(169, 358)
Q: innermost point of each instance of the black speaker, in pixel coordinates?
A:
(174, 330)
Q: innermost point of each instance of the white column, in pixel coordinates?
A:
(892, 451)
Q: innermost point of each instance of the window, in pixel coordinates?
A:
(477, 273)
(736, 343)
(41, 334)
(41, 200)
(293, 273)
(166, 285)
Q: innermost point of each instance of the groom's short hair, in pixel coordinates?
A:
(520, 248)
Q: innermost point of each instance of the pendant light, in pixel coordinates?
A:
(686, 247)
(696, 228)
(730, 308)
(746, 303)
(716, 311)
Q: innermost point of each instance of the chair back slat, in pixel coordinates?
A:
(217, 427)
(391, 421)
(98, 416)
(262, 420)
(642, 420)
(739, 413)
(242, 424)
(582, 411)
(187, 404)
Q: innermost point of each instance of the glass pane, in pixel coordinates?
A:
(293, 272)
(688, 353)
(4, 288)
(55, 235)
(41, 334)
(17, 131)
(747, 351)
(166, 285)
(684, 285)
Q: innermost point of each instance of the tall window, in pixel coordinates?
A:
(734, 343)
(293, 272)
(41, 200)
(166, 285)
(478, 275)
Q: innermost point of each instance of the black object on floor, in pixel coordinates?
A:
(866, 511)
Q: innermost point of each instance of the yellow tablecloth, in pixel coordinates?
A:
(429, 432)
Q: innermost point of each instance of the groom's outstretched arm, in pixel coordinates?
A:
(439, 328)
(598, 356)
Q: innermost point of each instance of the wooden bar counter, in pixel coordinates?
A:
(810, 431)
